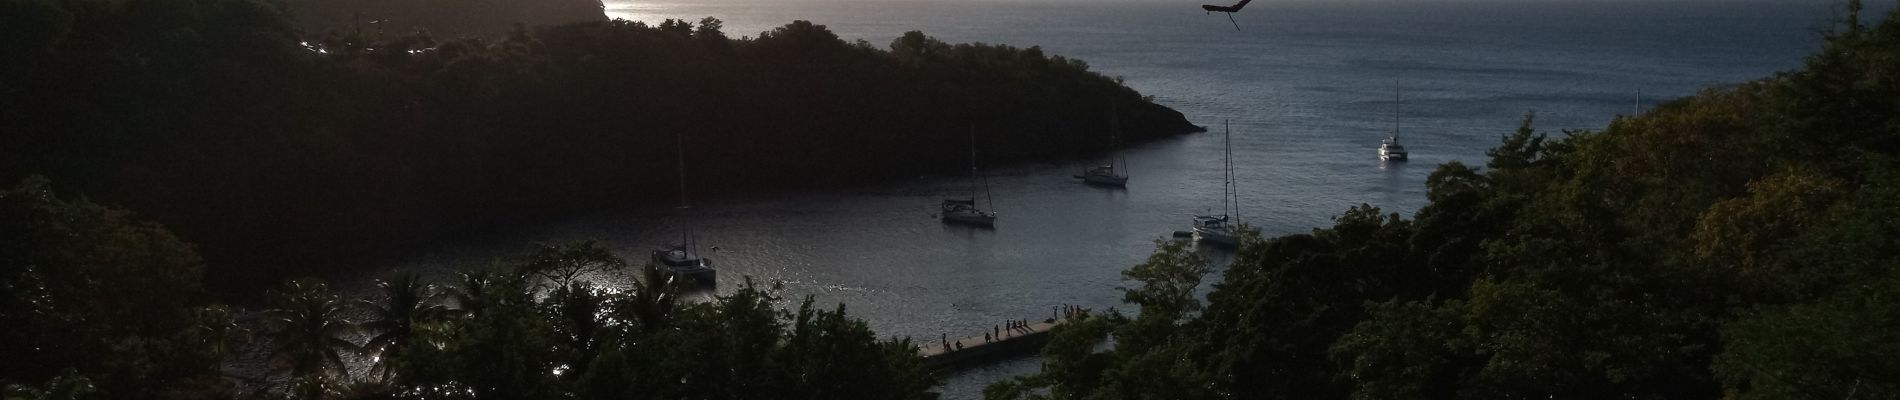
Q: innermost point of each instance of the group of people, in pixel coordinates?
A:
(1066, 311)
(1014, 327)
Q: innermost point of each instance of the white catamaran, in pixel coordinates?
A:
(1390, 149)
(683, 260)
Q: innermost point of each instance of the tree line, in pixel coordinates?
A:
(1738, 243)
(376, 20)
(283, 152)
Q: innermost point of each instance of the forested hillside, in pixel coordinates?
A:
(1739, 243)
(99, 304)
(282, 154)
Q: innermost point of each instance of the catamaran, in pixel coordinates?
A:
(1221, 229)
(682, 260)
(1390, 149)
(964, 211)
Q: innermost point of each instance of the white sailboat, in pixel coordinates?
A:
(964, 210)
(1107, 174)
(1390, 149)
(1223, 229)
(683, 260)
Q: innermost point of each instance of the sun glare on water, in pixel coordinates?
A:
(637, 11)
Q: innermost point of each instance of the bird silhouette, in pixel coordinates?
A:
(1226, 9)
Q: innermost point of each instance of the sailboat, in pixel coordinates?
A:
(1221, 229)
(964, 211)
(683, 260)
(1106, 174)
(1390, 149)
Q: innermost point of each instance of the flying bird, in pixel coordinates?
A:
(1230, 10)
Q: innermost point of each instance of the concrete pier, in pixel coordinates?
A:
(1022, 341)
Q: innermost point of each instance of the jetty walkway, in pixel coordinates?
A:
(1010, 340)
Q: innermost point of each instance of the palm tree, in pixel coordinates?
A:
(578, 310)
(653, 299)
(307, 326)
(406, 303)
(471, 295)
(216, 330)
(483, 289)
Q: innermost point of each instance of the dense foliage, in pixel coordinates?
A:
(1739, 243)
(279, 157)
(90, 296)
(98, 305)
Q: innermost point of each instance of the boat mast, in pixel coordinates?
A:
(974, 176)
(1115, 139)
(1227, 166)
(686, 227)
(987, 198)
(1395, 110)
(1231, 177)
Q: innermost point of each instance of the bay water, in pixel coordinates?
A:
(1306, 86)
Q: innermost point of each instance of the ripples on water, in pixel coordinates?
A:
(1307, 86)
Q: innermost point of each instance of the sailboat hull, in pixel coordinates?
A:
(1105, 180)
(1216, 236)
(1391, 154)
(972, 219)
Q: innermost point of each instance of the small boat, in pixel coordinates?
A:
(1221, 229)
(963, 210)
(682, 261)
(1106, 174)
(1390, 149)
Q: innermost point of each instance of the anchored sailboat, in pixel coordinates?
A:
(1221, 229)
(964, 211)
(1107, 174)
(683, 260)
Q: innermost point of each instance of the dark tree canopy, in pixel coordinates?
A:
(94, 290)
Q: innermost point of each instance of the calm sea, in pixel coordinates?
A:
(1308, 88)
